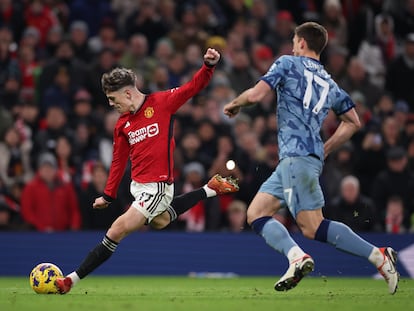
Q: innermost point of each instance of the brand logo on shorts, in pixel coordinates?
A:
(149, 112)
(143, 133)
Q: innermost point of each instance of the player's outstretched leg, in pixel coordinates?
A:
(344, 239)
(217, 185)
(94, 259)
(223, 185)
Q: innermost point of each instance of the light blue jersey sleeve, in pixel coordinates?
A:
(305, 94)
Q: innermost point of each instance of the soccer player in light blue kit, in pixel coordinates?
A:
(305, 94)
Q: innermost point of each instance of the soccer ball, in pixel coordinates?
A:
(43, 276)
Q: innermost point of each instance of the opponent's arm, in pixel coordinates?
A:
(247, 98)
(349, 125)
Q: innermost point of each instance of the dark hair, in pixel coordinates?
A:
(314, 34)
(116, 79)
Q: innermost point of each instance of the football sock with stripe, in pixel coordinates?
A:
(96, 257)
(343, 238)
(182, 203)
(277, 236)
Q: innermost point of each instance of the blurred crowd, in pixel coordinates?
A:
(56, 125)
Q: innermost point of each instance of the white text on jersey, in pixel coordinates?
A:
(143, 133)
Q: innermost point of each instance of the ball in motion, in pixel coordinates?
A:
(43, 276)
(230, 165)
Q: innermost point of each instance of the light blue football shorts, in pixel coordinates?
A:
(295, 182)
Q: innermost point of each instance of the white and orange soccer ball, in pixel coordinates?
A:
(43, 276)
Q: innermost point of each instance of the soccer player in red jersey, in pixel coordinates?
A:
(144, 134)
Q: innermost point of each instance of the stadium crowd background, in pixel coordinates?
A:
(56, 125)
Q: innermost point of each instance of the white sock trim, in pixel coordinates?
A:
(209, 192)
(295, 253)
(376, 257)
(75, 278)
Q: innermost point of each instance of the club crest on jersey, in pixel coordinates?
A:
(149, 112)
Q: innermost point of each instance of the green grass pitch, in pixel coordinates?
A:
(97, 293)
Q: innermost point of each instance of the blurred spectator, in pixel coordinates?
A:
(177, 69)
(383, 109)
(78, 36)
(208, 138)
(65, 160)
(11, 16)
(370, 157)
(241, 76)
(340, 164)
(400, 73)
(259, 170)
(282, 31)
(40, 16)
(83, 111)
(64, 60)
(105, 39)
(234, 11)
(6, 120)
(353, 208)
(94, 219)
(236, 217)
(104, 62)
(377, 52)
(187, 31)
(395, 180)
(362, 24)
(262, 58)
(15, 166)
(335, 23)
(55, 126)
(84, 143)
(391, 133)
(10, 218)
(210, 17)
(30, 70)
(146, 20)
(53, 38)
(194, 175)
(160, 80)
(357, 79)
(47, 203)
(59, 92)
(336, 61)
(93, 12)
(10, 75)
(404, 17)
(105, 139)
(394, 216)
(136, 56)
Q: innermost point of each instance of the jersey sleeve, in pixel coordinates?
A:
(276, 72)
(343, 102)
(119, 162)
(179, 96)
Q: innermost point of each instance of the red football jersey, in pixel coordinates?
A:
(146, 136)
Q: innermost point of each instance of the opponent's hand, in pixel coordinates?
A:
(231, 110)
(211, 57)
(100, 203)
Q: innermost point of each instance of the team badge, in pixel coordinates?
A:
(149, 112)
